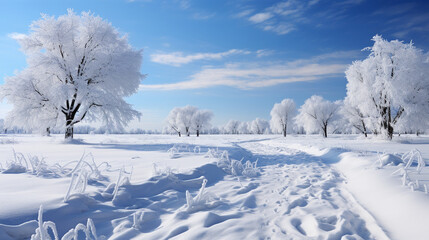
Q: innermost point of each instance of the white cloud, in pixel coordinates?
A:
(260, 17)
(261, 74)
(179, 58)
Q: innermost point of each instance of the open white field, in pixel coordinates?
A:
(135, 187)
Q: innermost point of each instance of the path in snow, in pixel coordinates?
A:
(297, 196)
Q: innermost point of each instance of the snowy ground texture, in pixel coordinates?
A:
(213, 187)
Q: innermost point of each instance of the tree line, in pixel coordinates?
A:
(80, 68)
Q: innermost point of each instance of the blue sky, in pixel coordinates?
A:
(236, 58)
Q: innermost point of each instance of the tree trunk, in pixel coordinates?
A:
(69, 127)
(284, 130)
(198, 133)
(179, 134)
(69, 132)
(364, 129)
(48, 131)
(325, 130)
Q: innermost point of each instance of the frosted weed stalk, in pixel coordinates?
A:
(408, 158)
(42, 232)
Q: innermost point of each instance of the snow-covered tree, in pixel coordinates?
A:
(232, 127)
(173, 121)
(259, 126)
(317, 114)
(390, 86)
(79, 67)
(184, 118)
(201, 120)
(282, 115)
(244, 128)
(2, 126)
(355, 118)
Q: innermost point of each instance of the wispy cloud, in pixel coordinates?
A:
(203, 16)
(264, 52)
(404, 19)
(179, 58)
(283, 17)
(262, 74)
(244, 13)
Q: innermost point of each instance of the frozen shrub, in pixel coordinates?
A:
(173, 152)
(203, 199)
(250, 169)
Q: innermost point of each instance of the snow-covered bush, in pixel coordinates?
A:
(31, 164)
(214, 153)
(250, 169)
(232, 166)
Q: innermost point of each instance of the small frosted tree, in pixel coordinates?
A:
(259, 126)
(317, 114)
(355, 118)
(201, 120)
(390, 86)
(184, 118)
(282, 115)
(173, 121)
(232, 127)
(244, 128)
(79, 67)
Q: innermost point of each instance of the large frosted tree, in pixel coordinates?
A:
(79, 67)
(317, 114)
(390, 86)
(282, 115)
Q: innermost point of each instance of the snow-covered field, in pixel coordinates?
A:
(162, 187)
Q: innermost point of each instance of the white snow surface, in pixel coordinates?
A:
(170, 187)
